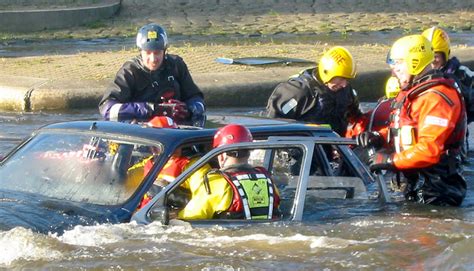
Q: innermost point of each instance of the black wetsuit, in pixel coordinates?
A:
(305, 98)
(135, 87)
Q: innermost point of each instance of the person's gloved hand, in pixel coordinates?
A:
(370, 139)
(198, 111)
(180, 110)
(380, 161)
(175, 109)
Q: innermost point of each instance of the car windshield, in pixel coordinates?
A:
(78, 167)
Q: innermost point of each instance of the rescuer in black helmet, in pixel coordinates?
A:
(154, 83)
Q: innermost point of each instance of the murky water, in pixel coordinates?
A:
(363, 235)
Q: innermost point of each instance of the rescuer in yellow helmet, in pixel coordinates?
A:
(427, 127)
(320, 95)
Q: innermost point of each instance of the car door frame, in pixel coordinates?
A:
(156, 209)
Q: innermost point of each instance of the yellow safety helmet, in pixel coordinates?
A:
(439, 40)
(392, 87)
(415, 50)
(337, 61)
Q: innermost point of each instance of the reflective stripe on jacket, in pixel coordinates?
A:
(255, 195)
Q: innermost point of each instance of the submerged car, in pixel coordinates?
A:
(88, 172)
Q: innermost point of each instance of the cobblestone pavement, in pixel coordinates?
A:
(298, 16)
(270, 17)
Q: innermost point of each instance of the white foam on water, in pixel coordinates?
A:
(97, 235)
(103, 234)
(88, 236)
(23, 244)
(205, 238)
(371, 223)
(305, 240)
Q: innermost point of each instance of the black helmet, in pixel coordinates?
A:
(152, 37)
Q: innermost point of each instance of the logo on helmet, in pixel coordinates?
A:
(338, 58)
(444, 36)
(152, 35)
(420, 48)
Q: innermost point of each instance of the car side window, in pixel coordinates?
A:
(217, 189)
(339, 184)
(338, 163)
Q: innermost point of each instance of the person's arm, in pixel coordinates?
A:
(189, 89)
(191, 94)
(337, 109)
(116, 105)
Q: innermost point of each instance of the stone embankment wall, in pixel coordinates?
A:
(27, 16)
(28, 4)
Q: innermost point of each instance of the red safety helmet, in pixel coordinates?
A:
(230, 134)
(162, 122)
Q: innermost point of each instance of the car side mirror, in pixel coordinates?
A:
(161, 214)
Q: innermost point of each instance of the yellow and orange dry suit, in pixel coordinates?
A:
(373, 120)
(173, 167)
(240, 191)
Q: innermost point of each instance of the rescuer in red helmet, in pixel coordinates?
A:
(237, 190)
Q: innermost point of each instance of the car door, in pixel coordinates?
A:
(338, 182)
(271, 155)
(306, 170)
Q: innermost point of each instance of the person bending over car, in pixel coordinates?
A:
(320, 95)
(154, 84)
(237, 190)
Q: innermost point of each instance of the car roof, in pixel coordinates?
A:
(185, 133)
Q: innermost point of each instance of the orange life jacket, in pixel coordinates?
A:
(175, 166)
(172, 168)
(373, 120)
(404, 133)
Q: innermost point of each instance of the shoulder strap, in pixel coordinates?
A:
(428, 85)
(172, 67)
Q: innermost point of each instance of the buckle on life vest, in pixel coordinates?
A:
(407, 136)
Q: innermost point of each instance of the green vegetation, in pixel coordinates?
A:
(273, 13)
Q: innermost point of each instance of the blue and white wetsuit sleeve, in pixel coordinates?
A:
(115, 111)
